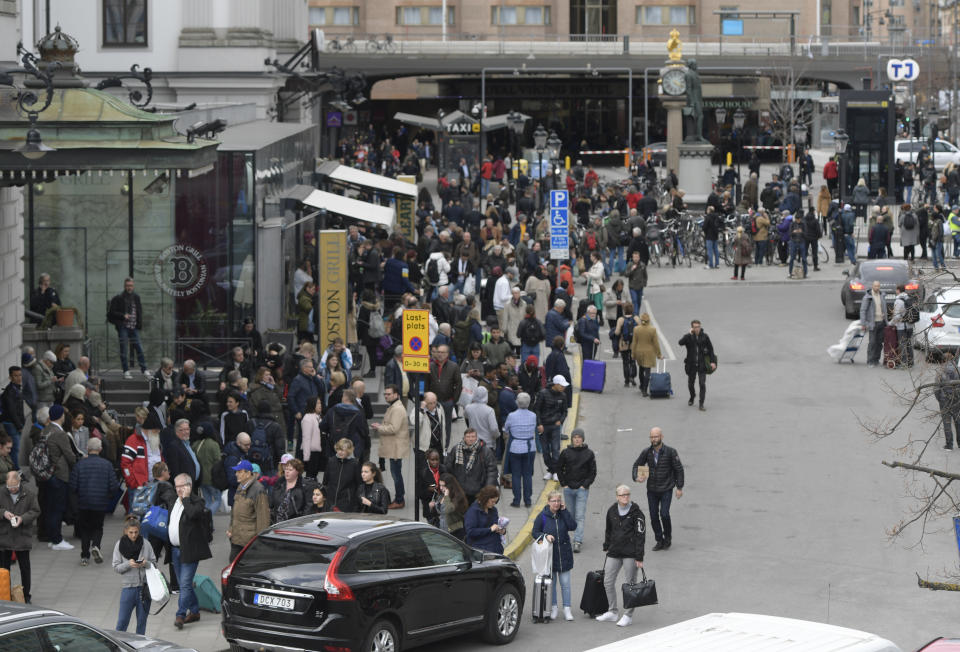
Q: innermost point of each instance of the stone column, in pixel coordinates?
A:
(674, 106)
(11, 276)
(198, 23)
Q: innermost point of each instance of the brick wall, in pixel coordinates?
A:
(11, 277)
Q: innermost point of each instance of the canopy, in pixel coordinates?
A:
(365, 180)
(358, 210)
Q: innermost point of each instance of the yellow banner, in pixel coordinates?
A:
(406, 210)
(332, 300)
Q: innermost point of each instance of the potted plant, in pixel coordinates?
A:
(60, 316)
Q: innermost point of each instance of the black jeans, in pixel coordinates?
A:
(448, 416)
(658, 504)
(691, 378)
(875, 346)
(905, 347)
(23, 559)
(90, 529)
(951, 422)
(56, 507)
(629, 365)
(815, 246)
(644, 378)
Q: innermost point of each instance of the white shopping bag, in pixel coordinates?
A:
(541, 557)
(837, 350)
(470, 385)
(157, 585)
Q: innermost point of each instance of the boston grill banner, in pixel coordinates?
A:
(332, 300)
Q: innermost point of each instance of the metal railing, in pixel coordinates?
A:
(205, 351)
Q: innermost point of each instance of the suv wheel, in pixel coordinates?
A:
(503, 618)
(382, 638)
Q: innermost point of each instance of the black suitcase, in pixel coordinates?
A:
(594, 600)
(541, 599)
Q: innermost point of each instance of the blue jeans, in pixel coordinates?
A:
(956, 245)
(615, 259)
(130, 334)
(563, 579)
(576, 502)
(636, 298)
(713, 254)
(796, 253)
(211, 497)
(396, 470)
(908, 194)
(15, 436)
(938, 255)
(56, 505)
(551, 446)
(130, 599)
(658, 504)
(759, 251)
(188, 603)
(484, 187)
(521, 468)
(527, 350)
(851, 247)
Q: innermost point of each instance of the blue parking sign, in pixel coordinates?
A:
(558, 199)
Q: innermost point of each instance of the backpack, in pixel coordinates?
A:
(909, 220)
(260, 447)
(339, 430)
(461, 336)
(143, 499)
(433, 271)
(626, 331)
(591, 241)
(531, 331)
(577, 336)
(218, 475)
(375, 329)
(40, 462)
(911, 310)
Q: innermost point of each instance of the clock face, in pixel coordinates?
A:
(674, 82)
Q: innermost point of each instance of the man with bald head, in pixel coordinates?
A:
(19, 511)
(660, 468)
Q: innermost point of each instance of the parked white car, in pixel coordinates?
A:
(939, 325)
(943, 152)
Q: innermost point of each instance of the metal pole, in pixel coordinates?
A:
(629, 117)
(483, 105)
(129, 223)
(443, 21)
(540, 176)
(30, 239)
(415, 382)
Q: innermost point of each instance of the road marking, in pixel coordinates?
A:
(624, 429)
(664, 344)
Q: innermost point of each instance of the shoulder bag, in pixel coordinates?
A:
(639, 594)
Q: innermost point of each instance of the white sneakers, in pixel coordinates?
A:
(624, 621)
(609, 617)
(63, 545)
(567, 614)
(147, 374)
(556, 477)
(97, 556)
(128, 375)
(553, 612)
(547, 475)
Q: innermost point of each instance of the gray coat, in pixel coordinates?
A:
(43, 376)
(867, 316)
(861, 195)
(61, 451)
(27, 508)
(132, 576)
(909, 237)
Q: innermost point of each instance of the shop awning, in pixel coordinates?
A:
(361, 180)
(353, 208)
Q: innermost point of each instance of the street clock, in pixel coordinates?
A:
(674, 81)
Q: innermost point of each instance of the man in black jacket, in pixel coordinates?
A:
(11, 404)
(126, 314)
(577, 469)
(700, 357)
(190, 537)
(623, 541)
(178, 455)
(551, 409)
(664, 472)
(473, 464)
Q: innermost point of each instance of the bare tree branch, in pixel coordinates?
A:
(922, 469)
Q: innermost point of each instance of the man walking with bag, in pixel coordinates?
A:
(700, 357)
(663, 473)
(623, 541)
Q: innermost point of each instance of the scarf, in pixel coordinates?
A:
(131, 549)
(473, 453)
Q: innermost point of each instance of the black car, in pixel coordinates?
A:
(26, 628)
(889, 271)
(349, 582)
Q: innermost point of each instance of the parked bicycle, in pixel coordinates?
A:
(335, 45)
(387, 46)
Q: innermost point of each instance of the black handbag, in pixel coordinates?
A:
(639, 594)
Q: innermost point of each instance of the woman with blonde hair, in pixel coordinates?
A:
(645, 348)
(861, 197)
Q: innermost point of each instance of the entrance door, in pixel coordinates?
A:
(593, 19)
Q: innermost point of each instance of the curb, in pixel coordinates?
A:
(524, 536)
(806, 281)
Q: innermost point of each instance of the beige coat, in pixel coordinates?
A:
(542, 300)
(645, 346)
(394, 433)
(250, 513)
(512, 316)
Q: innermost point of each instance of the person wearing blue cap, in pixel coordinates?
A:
(62, 459)
(251, 507)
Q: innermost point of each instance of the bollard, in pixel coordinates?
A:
(4, 584)
(791, 153)
(566, 162)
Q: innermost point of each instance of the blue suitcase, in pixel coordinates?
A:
(660, 382)
(594, 375)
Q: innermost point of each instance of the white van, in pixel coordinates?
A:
(735, 632)
(943, 152)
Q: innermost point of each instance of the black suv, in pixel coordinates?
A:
(345, 582)
(26, 628)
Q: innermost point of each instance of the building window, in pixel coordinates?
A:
(412, 16)
(125, 23)
(520, 15)
(335, 16)
(666, 15)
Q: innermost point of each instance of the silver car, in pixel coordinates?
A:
(939, 325)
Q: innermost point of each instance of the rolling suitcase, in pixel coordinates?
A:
(594, 600)
(594, 375)
(208, 597)
(890, 353)
(541, 599)
(660, 382)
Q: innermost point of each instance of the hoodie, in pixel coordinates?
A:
(482, 417)
(346, 420)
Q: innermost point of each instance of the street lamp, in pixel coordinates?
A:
(515, 120)
(553, 145)
(540, 142)
(840, 142)
(739, 118)
(800, 139)
(721, 114)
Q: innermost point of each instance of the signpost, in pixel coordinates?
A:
(416, 360)
(559, 224)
